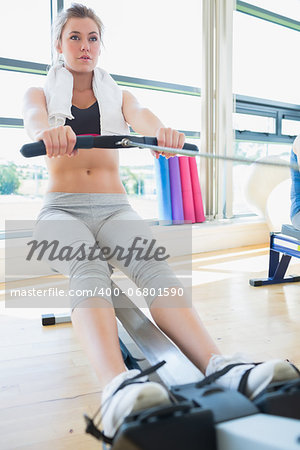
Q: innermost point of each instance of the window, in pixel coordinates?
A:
(28, 41)
(164, 51)
(25, 30)
(18, 83)
(182, 112)
(21, 195)
(247, 122)
(264, 66)
(264, 75)
(290, 127)
(158, 41)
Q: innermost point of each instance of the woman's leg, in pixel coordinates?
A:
(95, 325)
(176, 316)
(183, 325)
(173, 314)
(94, 321)
(93, 318)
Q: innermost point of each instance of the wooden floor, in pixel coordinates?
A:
(47, 383)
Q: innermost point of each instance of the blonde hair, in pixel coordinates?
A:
(76, 10)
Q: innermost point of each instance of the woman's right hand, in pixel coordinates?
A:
(59, 141)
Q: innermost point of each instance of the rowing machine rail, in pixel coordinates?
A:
(209, 418)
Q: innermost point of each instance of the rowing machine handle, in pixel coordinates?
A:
(38, 148)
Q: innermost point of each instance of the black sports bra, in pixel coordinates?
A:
(86, 121)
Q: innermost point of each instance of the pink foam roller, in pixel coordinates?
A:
(197, 196)
(186, 187)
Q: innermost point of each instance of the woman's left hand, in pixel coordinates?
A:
(167, 137)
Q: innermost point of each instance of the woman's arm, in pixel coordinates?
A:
(141, 119)
(144, 122)
(35, 113)
(59, 141)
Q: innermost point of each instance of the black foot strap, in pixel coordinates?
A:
(93, 429)
(242, 387)
(214, 376)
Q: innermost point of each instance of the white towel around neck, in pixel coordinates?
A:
(58, 90)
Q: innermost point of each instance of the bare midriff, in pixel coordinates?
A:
(92, 170)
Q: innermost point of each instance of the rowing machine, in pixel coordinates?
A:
(283, 246)
(207, 417)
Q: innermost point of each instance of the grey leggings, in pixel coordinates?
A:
(82, 221)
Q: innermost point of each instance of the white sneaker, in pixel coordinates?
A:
(140, 394)
(237, 372)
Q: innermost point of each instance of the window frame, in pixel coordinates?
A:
(266, 108)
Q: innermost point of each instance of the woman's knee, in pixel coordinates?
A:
(84, 302)
(155, 279)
